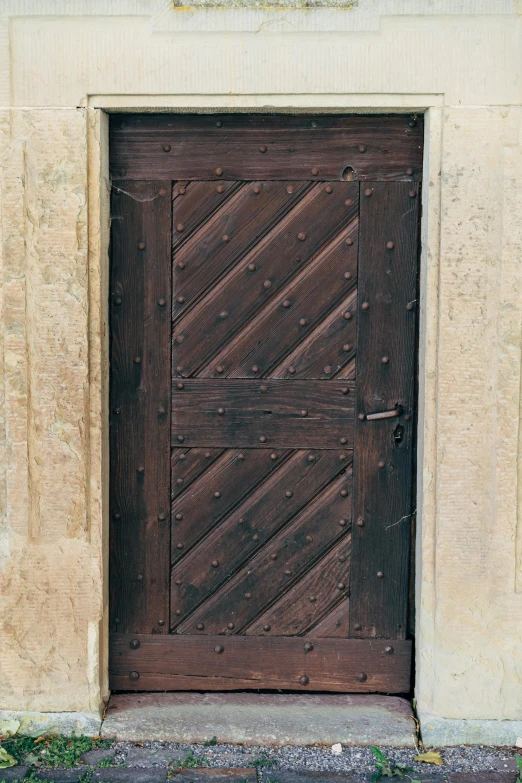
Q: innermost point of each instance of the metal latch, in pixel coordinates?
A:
(385, 414)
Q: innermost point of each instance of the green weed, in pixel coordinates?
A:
(262, 762)
(104, 763)
(390, 769)
(53, 751)
(518, 759)
(191, 762)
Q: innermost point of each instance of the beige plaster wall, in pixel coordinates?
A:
(62, 60)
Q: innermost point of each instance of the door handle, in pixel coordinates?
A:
(385, 414)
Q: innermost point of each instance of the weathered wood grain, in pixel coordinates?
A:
(385, 380)
(293, 483)
(195, 204)
(261, 276)
(140, 407)
(329, 351)
(263, 414)
(252, 147)
(187, 465)
(285, 559)
(336, 624)
(311, 599)
(222, 486)
(298, 314)
(291, 293)
(216, 243)
(239, 662)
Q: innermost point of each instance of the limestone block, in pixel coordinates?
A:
(475, 671)
(50, 560)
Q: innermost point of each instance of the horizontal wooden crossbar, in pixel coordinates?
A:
(269, 413)
(216, 663)
(250, 147)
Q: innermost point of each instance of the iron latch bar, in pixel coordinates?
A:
(384, 414)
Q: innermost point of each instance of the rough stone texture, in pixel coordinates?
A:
(460, 59)
(300, 776)
(288, 776)
(61, 775)
(261, 719)
(215, 776)
(93, 757)
(50, 559)
(469, 602)
(13, 774)
(437, 732)
(149, 757)
(117, 775)
(482, 777)
(34, 724)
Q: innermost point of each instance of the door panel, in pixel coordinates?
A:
(275, 406)
(290, 485)
(285, 257)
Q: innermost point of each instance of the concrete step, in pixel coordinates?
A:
(261, 719)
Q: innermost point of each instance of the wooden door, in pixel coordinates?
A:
(263, 320)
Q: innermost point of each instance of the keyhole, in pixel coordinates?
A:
(397, 434)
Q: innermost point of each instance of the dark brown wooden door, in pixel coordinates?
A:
(263, 305)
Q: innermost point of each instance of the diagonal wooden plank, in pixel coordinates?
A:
(313, 597)
(261, 275)
(286, 557)
(335, 624)
(195, 203)
(325, 351)
(295, 313)
(348, 372)
(187, 464)
(268, 509)
(229, 235)
(215, 493)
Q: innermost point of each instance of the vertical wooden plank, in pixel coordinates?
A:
(140, 407)
(387, 279)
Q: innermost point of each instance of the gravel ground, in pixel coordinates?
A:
(352, 759)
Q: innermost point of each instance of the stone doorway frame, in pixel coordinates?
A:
(431, 106)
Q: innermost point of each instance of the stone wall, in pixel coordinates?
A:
(62, 62)
(51, 564)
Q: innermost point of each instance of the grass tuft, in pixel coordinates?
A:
(53, 751)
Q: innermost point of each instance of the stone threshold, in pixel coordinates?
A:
(261, 719)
